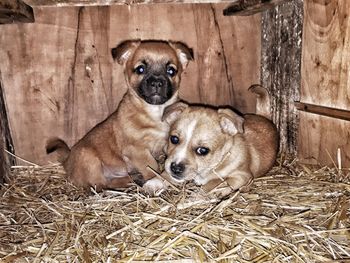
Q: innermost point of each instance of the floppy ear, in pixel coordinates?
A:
(172, 112)
(184, 53)
(230, 122)
(124, 50)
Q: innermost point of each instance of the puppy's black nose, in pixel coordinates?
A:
(177, 168)
(156, 82)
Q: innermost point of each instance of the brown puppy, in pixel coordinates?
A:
(133, 137)
(215, 146)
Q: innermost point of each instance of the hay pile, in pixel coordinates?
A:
(295, 214)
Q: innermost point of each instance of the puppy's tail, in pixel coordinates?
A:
(56, 144)
(263, 103)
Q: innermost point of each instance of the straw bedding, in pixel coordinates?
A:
(294, 214)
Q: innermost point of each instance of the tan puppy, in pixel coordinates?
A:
(211, 146)
(133, 137)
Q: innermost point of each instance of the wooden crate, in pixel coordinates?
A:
(58, 78)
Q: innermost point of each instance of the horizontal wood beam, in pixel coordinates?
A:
(118, 2)
(324, 111)
(15, 11)
(251, 7)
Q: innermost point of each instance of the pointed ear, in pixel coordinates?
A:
(230, 122)
(184, 53)
(124, 50)
(172, 112)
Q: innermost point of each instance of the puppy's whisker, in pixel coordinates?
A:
(162, 178)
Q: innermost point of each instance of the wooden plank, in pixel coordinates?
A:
(281, 56)
(14, 11)
(326, 54)
(321, 138)
(251, 7)
(325, 78)
(65, 3)
(324, 111)
(60, 80)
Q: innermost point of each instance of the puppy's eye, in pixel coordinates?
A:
(202, 151)
(140, 69)
(174, 139)
(171, 71)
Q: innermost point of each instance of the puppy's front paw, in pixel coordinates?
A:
(137, 177)
(221, 192)
(155, 186)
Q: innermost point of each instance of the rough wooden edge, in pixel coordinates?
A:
(3, 163)
(281, 70)
(6, 142)
(324, 111)
(251, 7)
(118, 2)
(14, 11)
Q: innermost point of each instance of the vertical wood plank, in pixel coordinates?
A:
(281, 56)
(60, 80)
(326, 54)
(325, 80)
(321, 138)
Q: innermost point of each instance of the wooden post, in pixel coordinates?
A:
(281, 71)
(5, 140)
(13, 11)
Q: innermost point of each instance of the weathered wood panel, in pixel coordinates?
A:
(321, 138)
(280, 74)
(60, 80)
(64, 3)
(325, 79)
(14, 11)
(326, 53)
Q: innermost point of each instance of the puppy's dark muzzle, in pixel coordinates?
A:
(156, 84)
(155, 89)
(177, 170)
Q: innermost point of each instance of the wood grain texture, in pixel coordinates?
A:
(280, 68)
(326, 54)
(15, 11)
(64, 3)
(325, 79)
(321, 138)
(324, 111)
(60, 80)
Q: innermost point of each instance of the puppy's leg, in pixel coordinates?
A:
(239, 179)
(159, 184)
(84, 169)
(87, 170)
(236, 181)
(121, 182)
(141, 161)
